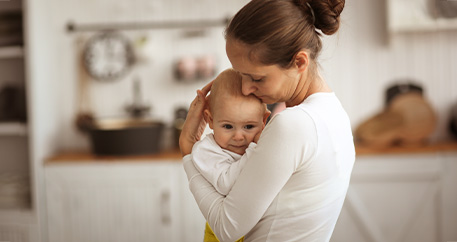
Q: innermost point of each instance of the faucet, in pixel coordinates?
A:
(138, 109)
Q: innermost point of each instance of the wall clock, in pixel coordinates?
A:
(108, 56)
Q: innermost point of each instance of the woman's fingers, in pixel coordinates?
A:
(195, 123)
(205, 90)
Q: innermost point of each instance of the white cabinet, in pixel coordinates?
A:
(120, 201)
(398, 197)
(404, 198)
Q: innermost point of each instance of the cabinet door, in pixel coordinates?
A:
(392, 198)
(193, 226)
(449, 197)
(111, 202)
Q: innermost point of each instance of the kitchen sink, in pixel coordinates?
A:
(126, 136)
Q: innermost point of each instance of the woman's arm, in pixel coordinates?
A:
(278, 153)
(220, 168)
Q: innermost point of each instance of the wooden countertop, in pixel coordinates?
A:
(85, 156)
(175, 155)
(444, 146)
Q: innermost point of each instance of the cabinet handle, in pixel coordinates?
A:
(165, 207)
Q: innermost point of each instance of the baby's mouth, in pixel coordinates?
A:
(239, 149)
(239, 146)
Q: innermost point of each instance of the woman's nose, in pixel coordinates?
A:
(247, 86)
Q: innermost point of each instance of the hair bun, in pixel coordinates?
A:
(327, 15)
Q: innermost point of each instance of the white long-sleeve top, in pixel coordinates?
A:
(293, 186)
(219, 166)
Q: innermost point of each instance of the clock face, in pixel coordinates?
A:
(108, 56)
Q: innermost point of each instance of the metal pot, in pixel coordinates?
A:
(126, 137)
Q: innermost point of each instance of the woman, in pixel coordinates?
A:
(294, 184)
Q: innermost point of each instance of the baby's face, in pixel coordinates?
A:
(236, 121)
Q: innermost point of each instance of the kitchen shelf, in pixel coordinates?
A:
(7, 52)
(13, 128)
(183, 24)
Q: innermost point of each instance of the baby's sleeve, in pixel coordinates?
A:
(229, 174)
(215, 165)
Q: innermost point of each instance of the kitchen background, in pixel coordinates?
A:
(360, 62)
(371, 52)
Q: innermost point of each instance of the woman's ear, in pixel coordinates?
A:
(301, 60)
(208, 117)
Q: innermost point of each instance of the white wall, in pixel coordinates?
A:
(164, 47)
(363, 60)
(359, 62)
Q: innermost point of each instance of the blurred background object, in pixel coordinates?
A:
(178, 123)
(12, 104)
(108, 56)
(395, 90)
(407, 119)
(11, 28)
(195, 68)
(121, 137)
(186, 68)
(443, 8)
(138, 108)
(206, 67)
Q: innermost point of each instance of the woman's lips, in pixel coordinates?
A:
(261, 98)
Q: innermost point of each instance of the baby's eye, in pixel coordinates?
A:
(249, 126)
(227, 126)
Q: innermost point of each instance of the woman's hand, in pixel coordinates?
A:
(195, 124)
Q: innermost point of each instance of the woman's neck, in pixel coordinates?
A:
(308, 85)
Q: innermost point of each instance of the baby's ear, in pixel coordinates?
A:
(265, 117)
(208, 117)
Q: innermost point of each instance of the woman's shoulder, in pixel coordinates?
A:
(292, 132)
(293, 115)
(293, 121)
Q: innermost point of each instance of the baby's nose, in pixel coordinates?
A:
(238, 135)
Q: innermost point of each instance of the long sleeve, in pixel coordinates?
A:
(258, 184)
(294, 182)
(220, 167)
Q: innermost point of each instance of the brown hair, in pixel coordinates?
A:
(227, 84)
(277, 29)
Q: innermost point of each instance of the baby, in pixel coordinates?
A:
(236, 121)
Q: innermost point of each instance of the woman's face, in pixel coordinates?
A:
(269, 83)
